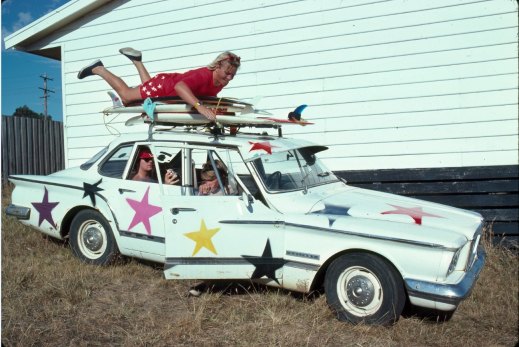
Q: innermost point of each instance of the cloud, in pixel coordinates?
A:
(24, 18)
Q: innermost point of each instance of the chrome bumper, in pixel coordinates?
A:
(451, 294)
(19, 212)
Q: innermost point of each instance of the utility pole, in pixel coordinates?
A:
(45, 92)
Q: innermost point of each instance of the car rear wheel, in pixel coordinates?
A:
(362, 287)
(91, 238)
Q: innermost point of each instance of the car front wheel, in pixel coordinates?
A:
(91, 238)
(362, 287)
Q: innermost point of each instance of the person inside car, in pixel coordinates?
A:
(210, 184)
(145, 170)
(204, 81)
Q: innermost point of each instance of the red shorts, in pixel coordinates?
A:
(160, 85)
(200, 81)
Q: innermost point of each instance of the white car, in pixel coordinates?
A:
(278, 217)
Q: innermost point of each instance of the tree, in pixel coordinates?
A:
(25, 111)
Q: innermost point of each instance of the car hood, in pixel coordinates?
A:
(413, 215)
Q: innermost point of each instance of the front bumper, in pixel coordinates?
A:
(447, 295)
(19, 212)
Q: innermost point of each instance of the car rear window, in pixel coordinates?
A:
(115, 164)
(88, 164)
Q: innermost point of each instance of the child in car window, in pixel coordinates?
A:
(210, 184)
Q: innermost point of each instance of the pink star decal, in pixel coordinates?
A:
(45, 209)
(258, 146)
(143, 212)
(414, 212)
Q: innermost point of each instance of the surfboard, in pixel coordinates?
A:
(222, 106)
(205, 99)
(193, 119)
(175, 111)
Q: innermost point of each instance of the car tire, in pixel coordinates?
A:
(364, 288)
(91, 238)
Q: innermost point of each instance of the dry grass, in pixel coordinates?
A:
(49, 298)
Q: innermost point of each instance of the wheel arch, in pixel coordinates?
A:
(318, 281)
(69, 217)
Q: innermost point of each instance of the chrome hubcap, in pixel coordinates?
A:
(360, 291)
(93, 239)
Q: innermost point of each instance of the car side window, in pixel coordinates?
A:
(115, 164)
(214, 172)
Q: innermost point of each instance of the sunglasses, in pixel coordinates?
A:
(147, 159)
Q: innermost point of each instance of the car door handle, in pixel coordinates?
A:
(177, 210)
(121, 190)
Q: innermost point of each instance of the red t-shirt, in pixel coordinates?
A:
(200, 81)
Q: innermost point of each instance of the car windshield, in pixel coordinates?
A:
(292, 170)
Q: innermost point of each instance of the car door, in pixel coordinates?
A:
(135, 205)
(228, 236)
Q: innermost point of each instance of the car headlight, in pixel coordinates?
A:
(467, 253)
(454, 261)
(473, 251)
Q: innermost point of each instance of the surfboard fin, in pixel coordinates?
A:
(296, 114)
(116, 101)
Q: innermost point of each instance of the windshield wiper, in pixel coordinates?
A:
(323, 174)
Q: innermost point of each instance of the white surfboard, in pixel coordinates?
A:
(174, 111)
(198, 119)
(222, 106)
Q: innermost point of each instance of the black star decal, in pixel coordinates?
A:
(331, 211)
(265, 265)
(91, 189)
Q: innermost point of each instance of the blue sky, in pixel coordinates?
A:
(21, 71)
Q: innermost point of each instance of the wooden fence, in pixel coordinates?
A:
(31, 146)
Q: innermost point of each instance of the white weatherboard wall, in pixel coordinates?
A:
(389, 84)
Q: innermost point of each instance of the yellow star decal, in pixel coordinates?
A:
(202, 238)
